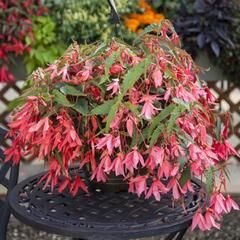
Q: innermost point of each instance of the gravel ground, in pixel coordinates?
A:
(230, 231)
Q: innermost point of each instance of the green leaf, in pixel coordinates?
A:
(210, 180)
(218, 129)
(16, 103)
(169, 74)
(61, 98)
(156, 134)
(147, 30)
(133, 75)
(81, 106)
(181, 102)
(176, 113)
(132, 108)
(103, 108)
(161, 116)
(71, 90)
(182, 160)
(185, 176)
(111, 115)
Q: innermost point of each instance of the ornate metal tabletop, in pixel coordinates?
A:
(100, 215)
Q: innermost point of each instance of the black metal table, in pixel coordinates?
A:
(100, 215)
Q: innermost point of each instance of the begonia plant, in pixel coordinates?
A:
(139, 112)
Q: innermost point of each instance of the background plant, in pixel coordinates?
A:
(205, 25)
(229, 58)
(168, 8)
(15, 25)
(88, 21)
(44, 44)
(135, 22)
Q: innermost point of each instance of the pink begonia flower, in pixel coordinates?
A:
(148, 110)
(134, 96)
(129, 126)
(210, 97)
(135, 60)
(132, 159)
(217, 203)
(76, 185)
(175, 39)
(176, 149)
(198, 220)
(64, 73)
(99, 174)
(224, 150)
(182, 93)
(165, 169)
(177, 190)
(116, 69)
(115, 124)
(53, 68)
(105, 162)
(167, 95)
(138, 185)
(109, 141)
(114, 86)
(156, 188)
(188, 186)
(210, 220)
(117, 165)
(157, 78)
(155, 157)
(230, 203)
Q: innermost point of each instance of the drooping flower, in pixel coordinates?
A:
(157, 78)
(198, 220)
(210, 220)
(117, 165)
(230, 203)
(109, 141)
(132, 159)
(217, 203)
(76, 185)
(114, 86)
(148, 109)
(155, 157)
(116, 69)
(138, 185)
(156, 188)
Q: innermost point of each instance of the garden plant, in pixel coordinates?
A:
(136, 111)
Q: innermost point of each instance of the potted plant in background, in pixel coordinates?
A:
(15, 26)
(139, 112)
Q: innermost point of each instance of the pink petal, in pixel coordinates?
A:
(130, 127)
(157, 77)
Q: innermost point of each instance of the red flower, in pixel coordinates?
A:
(116, 69)
(76, 185)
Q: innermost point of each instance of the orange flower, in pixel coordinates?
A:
(143, 4)
(132, 24)
(148, 17)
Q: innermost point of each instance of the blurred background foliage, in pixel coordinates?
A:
(211, 26)
(88, 21)
(45, 47)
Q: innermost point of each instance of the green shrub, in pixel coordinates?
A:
(45, 46)
(87, 21)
